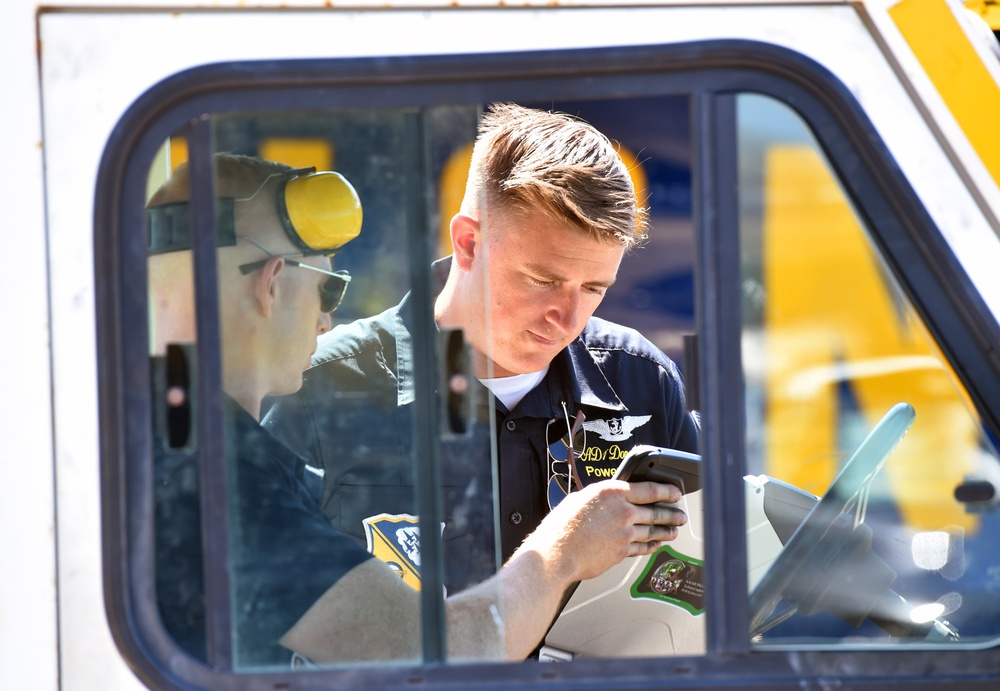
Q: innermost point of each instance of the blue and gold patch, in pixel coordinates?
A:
(395, 539)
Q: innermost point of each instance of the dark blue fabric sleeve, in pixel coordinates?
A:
(284, 552)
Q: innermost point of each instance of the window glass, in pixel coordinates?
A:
(326, 478)
(264, 533)
(831, 345)
(312, 482)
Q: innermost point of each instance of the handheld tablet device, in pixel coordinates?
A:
(648, 605)
(658, 464)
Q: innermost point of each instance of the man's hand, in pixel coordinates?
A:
(593, 529)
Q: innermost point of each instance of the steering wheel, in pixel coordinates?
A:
(832, 539)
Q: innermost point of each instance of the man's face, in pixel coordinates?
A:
(545, 281)
(298, 321)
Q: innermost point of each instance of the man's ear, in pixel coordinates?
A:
(465, 240)
(266, 286)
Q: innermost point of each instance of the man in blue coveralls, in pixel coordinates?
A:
(296, 582)
(548, 213)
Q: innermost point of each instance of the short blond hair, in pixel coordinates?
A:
(235, 176)
(238, 178)
(528, 160)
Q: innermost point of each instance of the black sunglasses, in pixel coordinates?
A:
(331, 291)
(564, 476)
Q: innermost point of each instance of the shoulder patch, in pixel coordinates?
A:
(395, 539)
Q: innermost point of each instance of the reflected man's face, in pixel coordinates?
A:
(299, 321)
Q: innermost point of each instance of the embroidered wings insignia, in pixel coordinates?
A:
(616, 429)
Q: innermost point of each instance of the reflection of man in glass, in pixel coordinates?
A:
(298, 584)
(667, 578)
(548, 213)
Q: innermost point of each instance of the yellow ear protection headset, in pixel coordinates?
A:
(319, 212)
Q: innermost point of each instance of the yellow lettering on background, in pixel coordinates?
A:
(616, 453)
(593, 454)
(600, 472)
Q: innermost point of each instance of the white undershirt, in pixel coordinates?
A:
(510, 390)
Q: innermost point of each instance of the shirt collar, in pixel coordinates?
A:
(404, 334)
(590, 386)
(575, 377)
(404, 353)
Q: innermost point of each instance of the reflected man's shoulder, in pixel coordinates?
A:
(361, 353)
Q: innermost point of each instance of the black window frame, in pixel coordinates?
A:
(711, 73)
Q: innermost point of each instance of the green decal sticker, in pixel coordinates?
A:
(675, 578)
